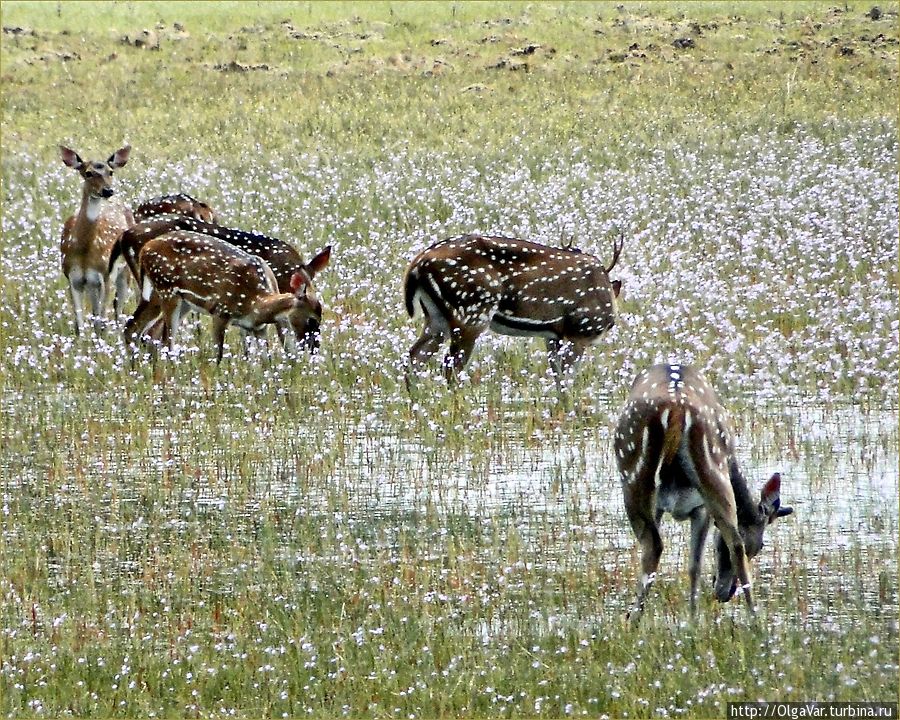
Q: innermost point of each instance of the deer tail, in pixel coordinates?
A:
(114, 255)
(674, 429)
(410, 285)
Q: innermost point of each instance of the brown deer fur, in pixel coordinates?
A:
(88, 236)
(465, 285)
(674, 446)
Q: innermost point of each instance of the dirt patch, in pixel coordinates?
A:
(145, 39)
(15, 30)
(234, 66)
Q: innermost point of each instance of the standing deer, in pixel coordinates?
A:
(674, 446)
(192, 270)
(468, 284)
(282, 258)
(88, 236)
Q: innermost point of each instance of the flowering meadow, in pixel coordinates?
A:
(305, 536)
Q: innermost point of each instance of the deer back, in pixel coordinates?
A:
(178, 204)
(283, 259)
(521, 286)
(671, 409)
(206, 272)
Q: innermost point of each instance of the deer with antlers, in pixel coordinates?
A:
(89, 235)
(675, 450)
(465, 285)
(190, 270)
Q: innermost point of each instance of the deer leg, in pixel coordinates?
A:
(121, 282)
(220, 324)
(76, 293)
(640, 493)
(175, 321)
(426, 346)
(718, 496)
(462, 341)
(169, 307)
(738, 555)
(700, 522)
(258, 334)
(95, 288)
(563, 354)
(647, 533)
(422, 349)
(245, 341)
(288, 336)
(553, 350)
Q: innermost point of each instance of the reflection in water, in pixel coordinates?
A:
(557, 491)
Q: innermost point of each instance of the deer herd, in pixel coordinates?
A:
(673, 443)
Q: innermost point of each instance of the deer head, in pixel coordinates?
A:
(97, 175)
(306, 316)
(751, 529)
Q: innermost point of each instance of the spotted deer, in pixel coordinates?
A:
(152, 218)
(189, 270)
(89, 235)
(465, 285)
(283, 260)
(178, 204)
(674, 446)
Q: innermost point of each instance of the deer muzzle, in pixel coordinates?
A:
(725, 588)
(311, 335)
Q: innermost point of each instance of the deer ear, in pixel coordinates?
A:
(617, 287)
(770, 498)
(70, 157)
(318, 263)
(119, 157)
(298, 280)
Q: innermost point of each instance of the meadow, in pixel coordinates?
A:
(288, 537)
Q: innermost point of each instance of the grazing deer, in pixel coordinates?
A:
(191, 270)
(283, 260)
(674, 446)
(88, 237)
(468, 284)
(179, 204)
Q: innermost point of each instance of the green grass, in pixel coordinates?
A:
(381, 81)
(271, 538)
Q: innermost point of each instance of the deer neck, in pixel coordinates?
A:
(88, 215)
(744, 504)
(91, 205)
(266, 310)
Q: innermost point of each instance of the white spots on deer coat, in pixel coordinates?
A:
(643, 456)
(513, 286)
